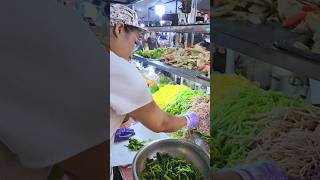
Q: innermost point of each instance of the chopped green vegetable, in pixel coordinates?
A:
(180, 134)
(135, 144)
(165, 167)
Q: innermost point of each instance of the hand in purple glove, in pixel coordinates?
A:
(261, 170)
(123, 134)
(193, 120)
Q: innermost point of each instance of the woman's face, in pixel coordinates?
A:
(129, 44)
(122, 41)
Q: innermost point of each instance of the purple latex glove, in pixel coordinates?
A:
(261, 170)
(193, 120)
(123, 134)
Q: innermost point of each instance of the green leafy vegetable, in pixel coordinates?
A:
(152, 54)
(135, 144)
(180, 134)
(183, 102)
(166, 167)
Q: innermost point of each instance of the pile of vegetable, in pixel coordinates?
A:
(168, 93)
(152, 54)
(182, 103)
(201, 106)
(224, 84)
(191, 101)
(163, 166)
(250, 124)
(292, 140)
(311, 174)
(234, 122)
(135, 144)
(179, 100)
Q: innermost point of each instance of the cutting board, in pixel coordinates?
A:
(121, 155)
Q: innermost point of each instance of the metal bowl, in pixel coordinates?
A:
(174, 147)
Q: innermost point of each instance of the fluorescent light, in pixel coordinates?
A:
(160, 9)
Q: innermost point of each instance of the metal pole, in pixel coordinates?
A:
(176, 6)
(180, 39)
(195, 10)
(181, 81)
(192, 39)
(185, 40)
(148, 17)
(230, 61)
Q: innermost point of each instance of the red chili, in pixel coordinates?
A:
(310, 9)
(203, 67)
(295, 20)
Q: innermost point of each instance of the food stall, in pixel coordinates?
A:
(265, 101)
(177, 72)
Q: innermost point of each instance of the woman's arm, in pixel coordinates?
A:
(157, 120)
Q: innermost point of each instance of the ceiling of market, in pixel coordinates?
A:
(144, 6)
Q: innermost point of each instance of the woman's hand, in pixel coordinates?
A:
(261, 170)
(123, 134)
(193, 120)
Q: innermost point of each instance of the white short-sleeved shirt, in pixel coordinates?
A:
(128, 92)
(53, 83)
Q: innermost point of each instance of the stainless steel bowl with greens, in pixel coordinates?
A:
(171, 159)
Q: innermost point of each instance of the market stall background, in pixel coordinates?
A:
(264, 105)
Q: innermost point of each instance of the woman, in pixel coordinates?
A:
(152, 41)
(129, 93)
